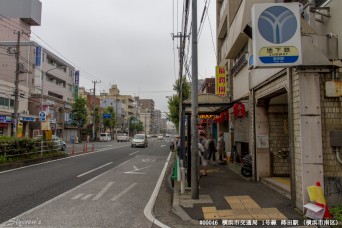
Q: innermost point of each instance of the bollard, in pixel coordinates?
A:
(73, 150)
(92, 149)
(84, 148)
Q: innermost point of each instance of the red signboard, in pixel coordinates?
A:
(239, 110)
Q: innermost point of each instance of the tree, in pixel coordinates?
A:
(97, 119)
(174, 100)
(135, 125)
(109, 122)
(80, 113)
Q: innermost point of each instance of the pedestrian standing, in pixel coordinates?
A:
(211, 149)
(221, 147)
(202, 160)
(203, 141)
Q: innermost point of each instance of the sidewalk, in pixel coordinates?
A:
(226, 196)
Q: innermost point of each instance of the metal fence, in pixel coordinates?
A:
(8, 150)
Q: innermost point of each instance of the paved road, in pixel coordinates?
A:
(107, 188)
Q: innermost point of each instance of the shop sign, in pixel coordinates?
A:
(5, 119)
(27, 119)
(207, 116)
(220, 82)
(239, 110)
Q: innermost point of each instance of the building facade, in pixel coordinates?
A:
(290, 113)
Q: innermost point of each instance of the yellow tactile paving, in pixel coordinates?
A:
(244, 197)
(209, 209)
(212, 215)
(243, 208)
(251, 205)
(245, 201)
(237, 206)
(225, 213)
(282, 180)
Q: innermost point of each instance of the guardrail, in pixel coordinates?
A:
(10, 150)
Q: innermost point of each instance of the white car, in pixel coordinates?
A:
(105, 137)
(139, 140)
(160, 137)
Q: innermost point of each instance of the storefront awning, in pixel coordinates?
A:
(208, 104)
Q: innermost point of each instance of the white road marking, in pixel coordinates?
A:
(162, 145)
(77, 197)
(148, 160)
(136, 169)
(149, 206)
(57, 197)
(81, 175)
(103, 191)
(134, 152)
(123, 192)
(86, 196)
(56, 160)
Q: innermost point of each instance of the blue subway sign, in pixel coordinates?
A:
(276, 35)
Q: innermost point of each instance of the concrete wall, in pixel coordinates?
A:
(331, 120)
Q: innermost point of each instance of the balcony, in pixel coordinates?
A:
(224, 49)
(240, 63)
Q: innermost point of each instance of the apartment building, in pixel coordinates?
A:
(147, 111)
(293, 116)
(123, 106)
(157, 127)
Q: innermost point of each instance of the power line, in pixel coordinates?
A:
(211, 32)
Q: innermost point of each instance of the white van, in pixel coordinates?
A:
(105, 137)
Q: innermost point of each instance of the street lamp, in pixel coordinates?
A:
(42, 93)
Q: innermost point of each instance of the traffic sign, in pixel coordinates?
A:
(107, 116)
(42, 116)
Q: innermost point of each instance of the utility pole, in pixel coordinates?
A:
(16, 89)
(194, 107)
(180, 106)
(94, 136)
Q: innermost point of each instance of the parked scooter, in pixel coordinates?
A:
(246, 169)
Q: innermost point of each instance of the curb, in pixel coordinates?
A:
(177, 209)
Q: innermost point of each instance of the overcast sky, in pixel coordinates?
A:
(122, 42)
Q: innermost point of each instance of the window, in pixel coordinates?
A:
(5, 103)
(2, 102)
(71, 73)
(11, 103)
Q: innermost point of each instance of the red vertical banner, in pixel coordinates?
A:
(220, 82)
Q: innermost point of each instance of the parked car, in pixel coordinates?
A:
(122, 138)
(105, 137)
(139, 140)
(59, 141)
(55, 139)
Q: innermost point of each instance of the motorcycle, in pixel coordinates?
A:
(246, 169)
